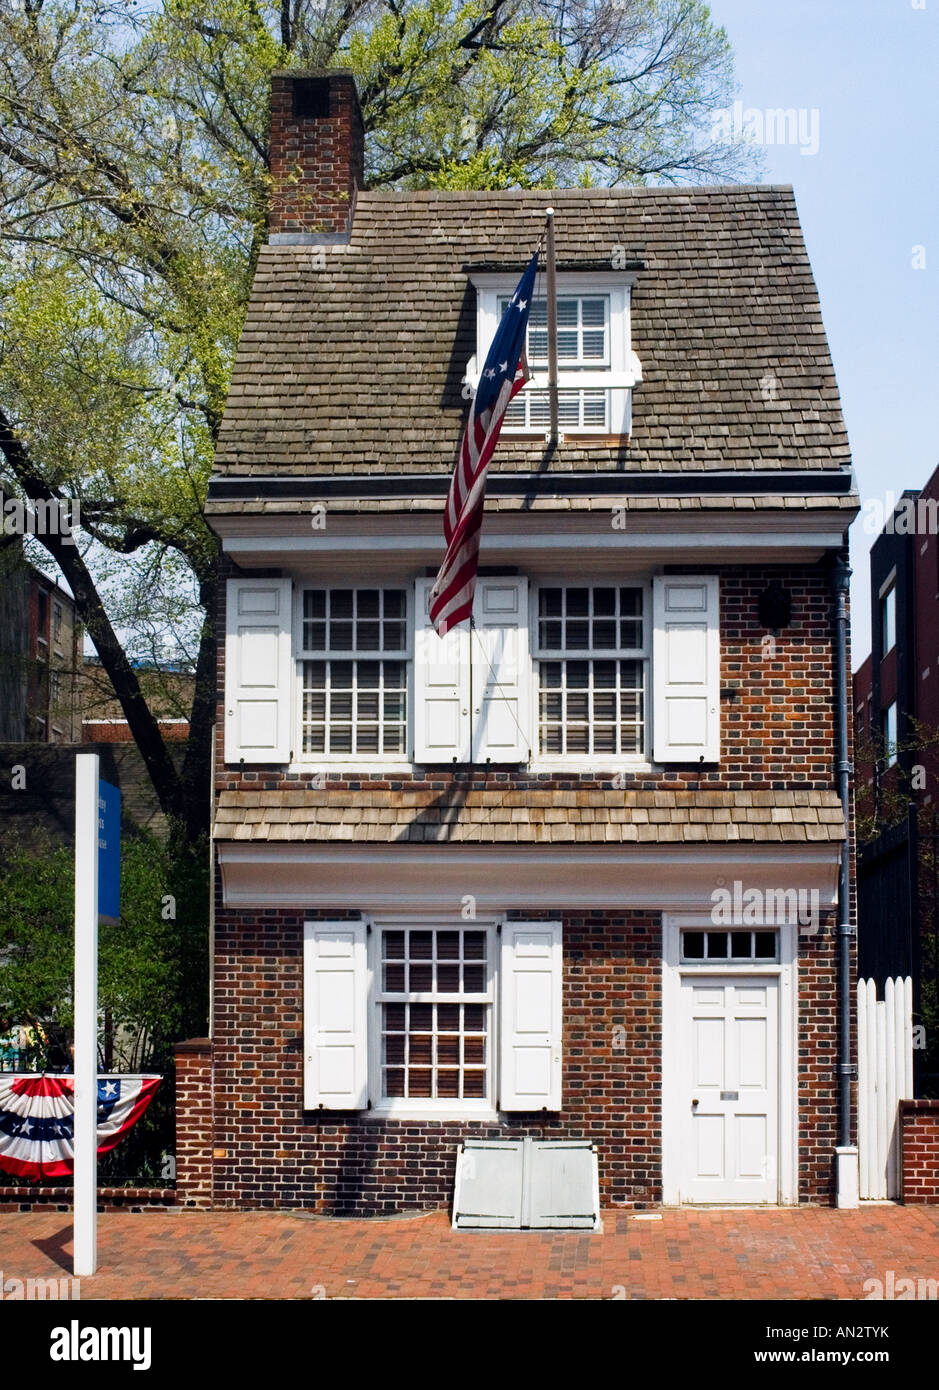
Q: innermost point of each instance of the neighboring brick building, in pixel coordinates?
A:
(896, 702)
(40, 655)
(167, 687)
(545, 876)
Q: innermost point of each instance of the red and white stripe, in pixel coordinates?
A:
(452, 595)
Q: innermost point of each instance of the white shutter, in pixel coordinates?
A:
(530, 1019)
(258, 671)
(335, 1070)
(501, 670)
(441, 687)
(686, 668)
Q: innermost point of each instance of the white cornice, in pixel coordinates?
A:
(439, 877)
(705, 536)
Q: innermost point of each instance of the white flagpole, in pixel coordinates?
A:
(552, 286)
(85, 1218)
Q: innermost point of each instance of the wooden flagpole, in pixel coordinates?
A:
(552, 328)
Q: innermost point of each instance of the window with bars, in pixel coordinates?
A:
(435, 1003)
(354, 672)
(592, 670)
(583, 344)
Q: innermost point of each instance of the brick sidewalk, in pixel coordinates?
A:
(806, 1253)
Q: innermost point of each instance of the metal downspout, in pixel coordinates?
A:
(840, 581)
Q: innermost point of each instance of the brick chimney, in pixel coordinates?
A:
(317, 152)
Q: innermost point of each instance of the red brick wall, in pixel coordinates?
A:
(194, 1089)
(276, 1155)
(919, 1150)
(777, 719)
(269, 1153)
(316, 162)
(31, 1198)
(778, 732)
(118, 730)
(817, 1081)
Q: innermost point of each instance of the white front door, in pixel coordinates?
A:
(729, 1088)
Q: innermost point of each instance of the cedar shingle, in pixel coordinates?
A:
(726, 300)
(620, 816)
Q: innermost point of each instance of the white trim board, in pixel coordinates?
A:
(802, 544)
(437, 877)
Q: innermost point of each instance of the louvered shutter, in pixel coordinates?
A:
(258, 671)
(441, 687)
(501, 671)
(335, 1072)
(686, 668)
(530, 1021)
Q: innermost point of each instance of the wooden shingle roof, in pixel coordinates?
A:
(358, 366)
(528, 816)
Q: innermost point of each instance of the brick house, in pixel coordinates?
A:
(40, 654)
(572, 873)
(896, 708)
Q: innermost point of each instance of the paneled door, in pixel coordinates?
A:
(730, 1088)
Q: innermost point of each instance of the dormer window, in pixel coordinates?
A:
(597, 368)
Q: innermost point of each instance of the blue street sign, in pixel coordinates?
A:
(109, 851)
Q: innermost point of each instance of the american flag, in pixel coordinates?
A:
(37, 1119)
(503, 376)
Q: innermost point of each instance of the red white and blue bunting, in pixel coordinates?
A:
(37, 1119)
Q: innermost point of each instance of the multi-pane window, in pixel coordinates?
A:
(583, 330)
(591, 653)
(583, 344)
(354, 691)
(435, 1005)
(730, 945)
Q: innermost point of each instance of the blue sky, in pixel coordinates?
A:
(868, 197)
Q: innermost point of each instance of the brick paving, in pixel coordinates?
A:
(808, 1253)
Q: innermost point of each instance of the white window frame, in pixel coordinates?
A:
(426, 1108)
(588, 762)
(888, 618)
(400, 762)
(618, 378)
(538, 762)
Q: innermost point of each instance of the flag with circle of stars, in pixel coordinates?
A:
(37, 1119)
(504, 374)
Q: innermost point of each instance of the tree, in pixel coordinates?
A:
(151, 962)
(133, 199)
(152, 965)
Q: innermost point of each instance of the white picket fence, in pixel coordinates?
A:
(885, 1076)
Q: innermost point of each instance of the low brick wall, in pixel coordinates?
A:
(29, 1198)
(919, 1151)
